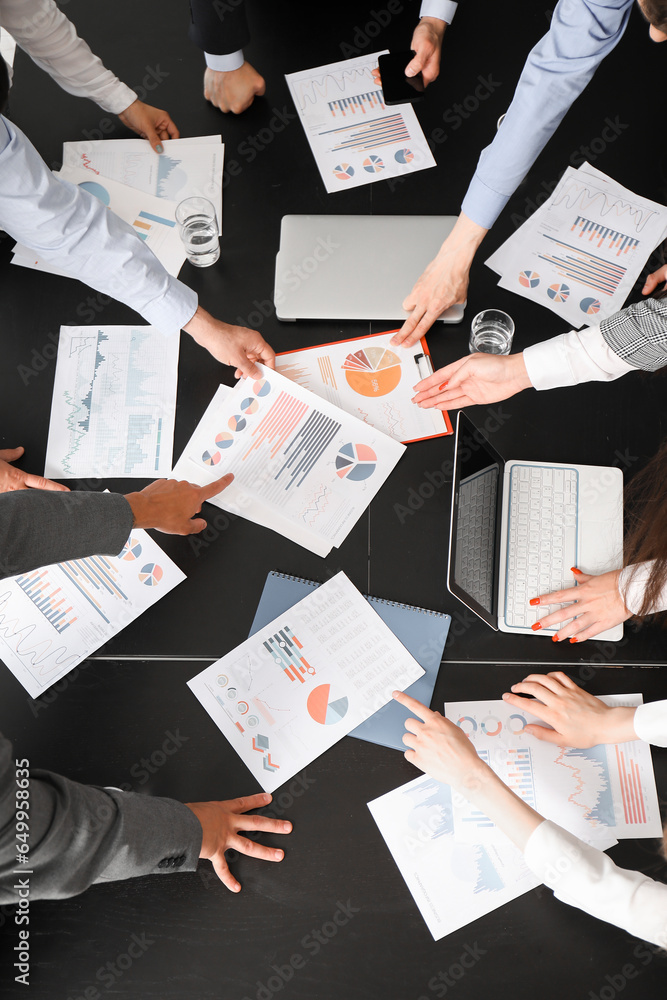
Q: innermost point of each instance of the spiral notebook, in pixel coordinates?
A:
(422, 632)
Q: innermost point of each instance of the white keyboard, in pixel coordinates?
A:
(542, 540)
(475, 536)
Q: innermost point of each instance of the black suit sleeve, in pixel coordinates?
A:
(39, 527)
(219, 26)
(80, 834)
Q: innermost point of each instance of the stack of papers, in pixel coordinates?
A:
(457, 863)
(142, 188)
(302, 467)
(355, 138)
(305, 680)
(582, 251)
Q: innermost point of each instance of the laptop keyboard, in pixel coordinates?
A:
(542, 542)
(475, 530)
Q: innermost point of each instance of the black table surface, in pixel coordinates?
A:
(113, 712)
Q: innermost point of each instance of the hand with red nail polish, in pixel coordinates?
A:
(477, 378)
(534, 601)
(595, 601)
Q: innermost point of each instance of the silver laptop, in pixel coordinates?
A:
(355, 266)
(517, 528)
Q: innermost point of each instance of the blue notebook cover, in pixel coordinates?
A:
(423, 633)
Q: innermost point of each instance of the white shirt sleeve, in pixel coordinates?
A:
(572, 358)
(444, 10)
(632, 584)
(73, 230)
(650, 723)
(51, 41)
(585, 877)
(225, 64)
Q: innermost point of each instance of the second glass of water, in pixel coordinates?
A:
(199, 231)
(491, 332)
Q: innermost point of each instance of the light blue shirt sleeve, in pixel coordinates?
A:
(70, 228)
(444, 10)
(226, 63)
(582, 33)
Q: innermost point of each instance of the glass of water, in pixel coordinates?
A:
(491, 332)
(198, 227)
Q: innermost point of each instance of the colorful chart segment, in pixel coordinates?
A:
(634, 807)
(326, 705)
(374, 371)
(356, 462)
(285, 650)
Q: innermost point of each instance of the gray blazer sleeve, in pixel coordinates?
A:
(80, 834)
(38, 527)
(638, 334)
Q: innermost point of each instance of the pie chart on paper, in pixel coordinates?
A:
(355, 462)
(374, 371)
(327, 705)
(151, 574)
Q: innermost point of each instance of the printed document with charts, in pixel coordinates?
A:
(305, 680)
(301, 466)
(355, 138)
(582, 251)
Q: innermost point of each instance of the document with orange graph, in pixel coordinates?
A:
(302, 466)
(305, 680)
(595, 793)
(371, 380)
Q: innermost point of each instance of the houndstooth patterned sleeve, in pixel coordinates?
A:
(638, 334)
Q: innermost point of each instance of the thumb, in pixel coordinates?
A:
(212, 489)
(650, 284)
(11, 454)
(415, 65)
(195, 526)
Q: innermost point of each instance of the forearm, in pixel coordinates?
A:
(40, 528)
(490, 795)
(51, 41)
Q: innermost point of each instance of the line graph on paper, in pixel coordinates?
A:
(114, 403)
(330, 87)
(586, 198)
(316, 504)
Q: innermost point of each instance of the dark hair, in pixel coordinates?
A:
(4, 85)
(655, 12)
(646, 522)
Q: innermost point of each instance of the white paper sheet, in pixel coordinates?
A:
(451, 883)
(300, 684)
(188, 167)
(354, 137)
(601, 792)
(582, 251)
(53, 618)
(370, 380)
(302, 467)
(114, 403)
(151, 218)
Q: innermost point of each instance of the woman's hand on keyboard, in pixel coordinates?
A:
(599, 606)
(477, 378)
(577, 718)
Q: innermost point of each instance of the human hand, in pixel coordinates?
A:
(426, 44)
(577, 718)
(221, 824)
(149, 123)
(439, 748)
(234, 90)
(168, 505)
(477, 378)
(231, 345)
(443, 283)
(599, 606)
(654, 280)
(13, 479)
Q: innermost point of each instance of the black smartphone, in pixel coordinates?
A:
(396, 86)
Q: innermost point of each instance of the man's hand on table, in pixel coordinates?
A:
(232, 345)
(13, 479)
(222, 823)
(233, 90)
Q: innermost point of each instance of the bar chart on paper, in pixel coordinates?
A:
(354, 136)
(114, 403)
(54, 617)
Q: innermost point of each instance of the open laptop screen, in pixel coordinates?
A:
(475, 535)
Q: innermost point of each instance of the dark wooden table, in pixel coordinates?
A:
(336, 912)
